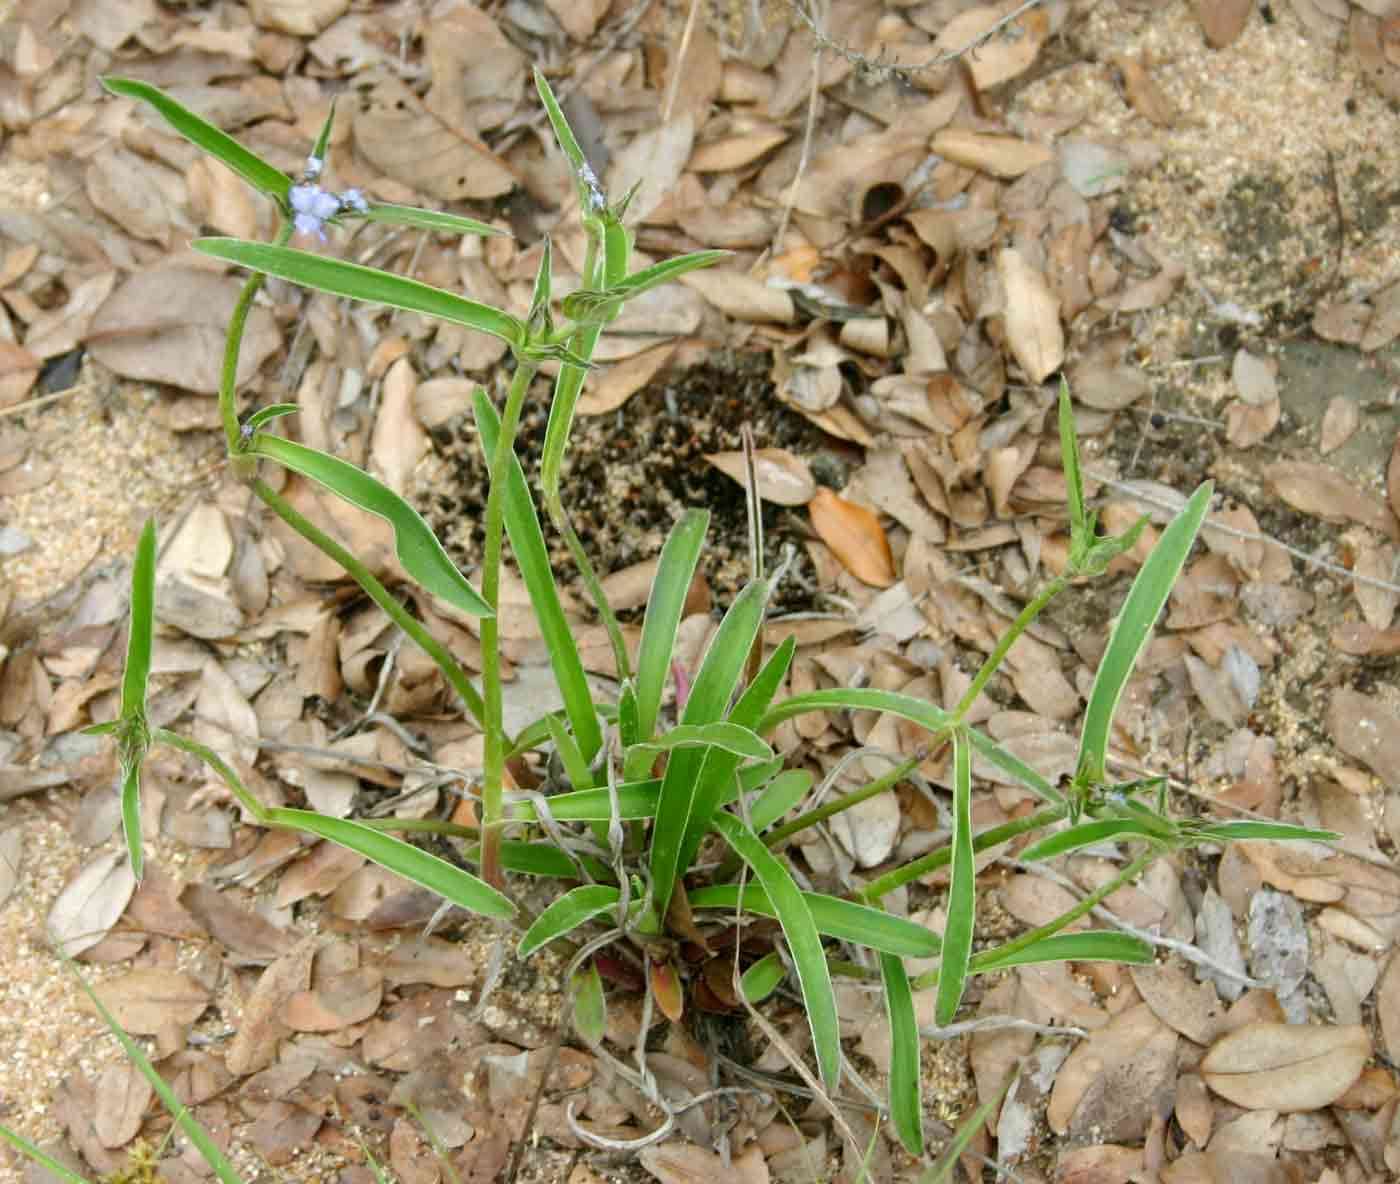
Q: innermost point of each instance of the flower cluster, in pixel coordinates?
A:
(312, 206)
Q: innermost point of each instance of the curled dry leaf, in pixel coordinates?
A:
(149, 998)
(855, 537)
(167, 325)
(1001, 156)
(1286, 1067)
(783, 478)
(1333, 496)
(1001, 57)
(1033, 329)
(653, 161)
(741, 296)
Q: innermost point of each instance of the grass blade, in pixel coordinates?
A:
(804, 942)
(710, 696)
(1094, 945)
(532, 556)
(674, 572)
(142, 626)
(762, 978)
(208, 1149)
(1133, 628)
(350, 280)
(575, 767)
(593, 306)
(962, 888)
(1282, 832)
(727, 737)
(918, 711)
(906, 1093)
(636, 800)
(993, 753)
(843, 919)
(942, 1171)
(413, 863)
(778, 797)
(540, 858)
(1086, 834)
(40, 1156)
(204, 135)
(436, 220)
(418, 549)
(590, 1007)
(576, 907)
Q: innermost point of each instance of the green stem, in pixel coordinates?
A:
(944, 855)
(233, 346)
(1008, 639)
(845, 802)
(1090, 902)
(318, 538)
(493, 773)
(221, 767)
(560, 518)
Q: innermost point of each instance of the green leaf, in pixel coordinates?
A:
(993, 753)
(575, 767)
(636, 800)
(532, 556)
(710, 696)
(941, 1171)
(906, 1093)
(540, 858)
(595, 306)
(762, 978)
(778, 797)
(590, 1008)
(576, 907)
(629, 725)
(1249, 829)
(727, 737)
(204, 135)
(843, 919)
(1080, 526)
(131, 816)
(962, 889)
(435, 220)
(568, 384)
(267, 414)
(418, 549)
(1094, 945)
(340, 278)
(674, 572)
(1086, 834)
(590, 196)
(537, 320)
(142, 624)
(1133, 628)
(204, 1143)
(804, 943)
(40, 1156)
(424, 869)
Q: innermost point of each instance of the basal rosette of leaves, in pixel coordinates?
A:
(637, 790)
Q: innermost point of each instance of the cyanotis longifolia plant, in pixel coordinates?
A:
(640, 791)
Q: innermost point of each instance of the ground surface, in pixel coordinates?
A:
(1261, 203)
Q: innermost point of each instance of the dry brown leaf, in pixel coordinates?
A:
(1255, 378)
(653, 161)
(478, 73)
(119, 184)
(1033, 329)
(11, 854)
(1102, 376)
(1004, 56)
(226, 720)
(1001, 156)
(1339, 422)
(1388, 1007)
(148, 998)
(782, 478)
(339, 1001)
(1222, 20)
(855, 537)
(741, 296)
(1286, 1067)
(91, 903)
(619, 383)
(57, 332)
(398, 442)
(736, 151)
(123, 1093)
(1144, 95)
(1384, 323)
(1344, 323)
(247, 935)
(400, 137)
(260, 1027)
(1246, 425)
(1368, 730)
(168, 324)
(579, 18)
(1378, 604)
(300, 18)
(1179, 1001)
(1330, 495)
(1392, 478)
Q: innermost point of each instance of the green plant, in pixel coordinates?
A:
(640, 793)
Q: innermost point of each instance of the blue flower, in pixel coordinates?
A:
(312, 205)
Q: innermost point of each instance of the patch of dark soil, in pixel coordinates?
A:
(630, 474)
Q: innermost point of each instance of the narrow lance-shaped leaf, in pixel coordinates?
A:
(762, 978)
(576, 907)
(843, 919)
(435, 220)
(423, 868)
(1087, 834)
(674, 572)
(710, 695)
(595, 305)
(804, 943)
(778, 797)
(590, 1007)
(962, 900)
(906, 1093)
(727, 737)
(590, 196)
(1133, 628)
(37, 1154)
(133, 736)
(1247, 828)
(418, 549)
(1095, 945)
(204, 135)
(531, 554)
(355, 282)
(266, 415)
